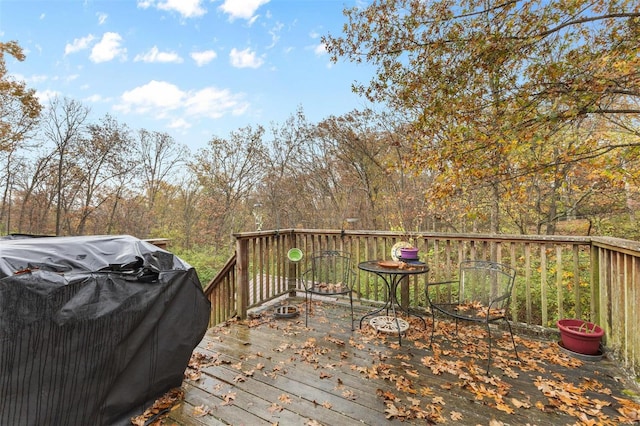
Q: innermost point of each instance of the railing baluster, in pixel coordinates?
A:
(576, 282)
(544, 303)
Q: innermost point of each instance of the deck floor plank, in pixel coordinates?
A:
(283, 373)
(291, 374)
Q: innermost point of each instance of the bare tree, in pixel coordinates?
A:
(35, 185)
(101, 159)
(64, 124)
(228, 171)
(279, 192)
(160, 155)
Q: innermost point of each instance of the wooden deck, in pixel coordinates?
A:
(269, 371)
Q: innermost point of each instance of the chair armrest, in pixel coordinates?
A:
(436, 285)
(498, 299)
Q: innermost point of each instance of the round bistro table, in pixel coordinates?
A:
(392, 274)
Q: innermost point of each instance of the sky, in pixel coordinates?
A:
(195, 69)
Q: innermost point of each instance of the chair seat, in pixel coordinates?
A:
(469, 312)
(329, 288)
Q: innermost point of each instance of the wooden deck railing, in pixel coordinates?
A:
(592, 278)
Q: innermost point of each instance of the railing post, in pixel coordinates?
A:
(595, 286)
(242, 265)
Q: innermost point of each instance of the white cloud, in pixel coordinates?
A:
(243, 9)
(78, 44)
(154, 55)
(108, 48)
(102, 18)
(214, 103)
(163, 100)
(320, 49)
(275, 34)
(45, 95)
(186, 8)
(179, 123)
(244, 59)
(204, 57)
(156, 96)
(38, 78)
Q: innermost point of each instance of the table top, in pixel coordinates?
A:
(393, 268)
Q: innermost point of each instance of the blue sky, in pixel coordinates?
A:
(191, 68)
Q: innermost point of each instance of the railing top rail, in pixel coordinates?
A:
(617, 243)
(556, 239)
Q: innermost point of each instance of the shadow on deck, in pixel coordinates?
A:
(268, 371)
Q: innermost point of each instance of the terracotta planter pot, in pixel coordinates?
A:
(580, 336)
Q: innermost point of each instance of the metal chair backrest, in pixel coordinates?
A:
(487, 283)
(332, 268)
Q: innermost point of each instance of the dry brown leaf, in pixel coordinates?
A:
(229, 398)
(275, 408)
(284, 398)
(348, 394)
(520, 404)
(393, 411)
(414, 401)
(201, 410)
(438, 400)
(504, 407)
(456, 416)
(413, 373)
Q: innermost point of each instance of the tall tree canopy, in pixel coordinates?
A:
(19, 114)
(495, 87)
(19, 106)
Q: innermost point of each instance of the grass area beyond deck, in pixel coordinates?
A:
(268, 371)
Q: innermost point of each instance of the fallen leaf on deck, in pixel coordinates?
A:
(284, 398)
(275, 408)
(229, 398)
(201, 410)
(324, 375)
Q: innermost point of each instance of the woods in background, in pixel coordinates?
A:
(513, 117)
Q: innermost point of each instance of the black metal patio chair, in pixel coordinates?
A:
(330, 274)
(481, 294)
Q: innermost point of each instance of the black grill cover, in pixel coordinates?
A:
(93, 329)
